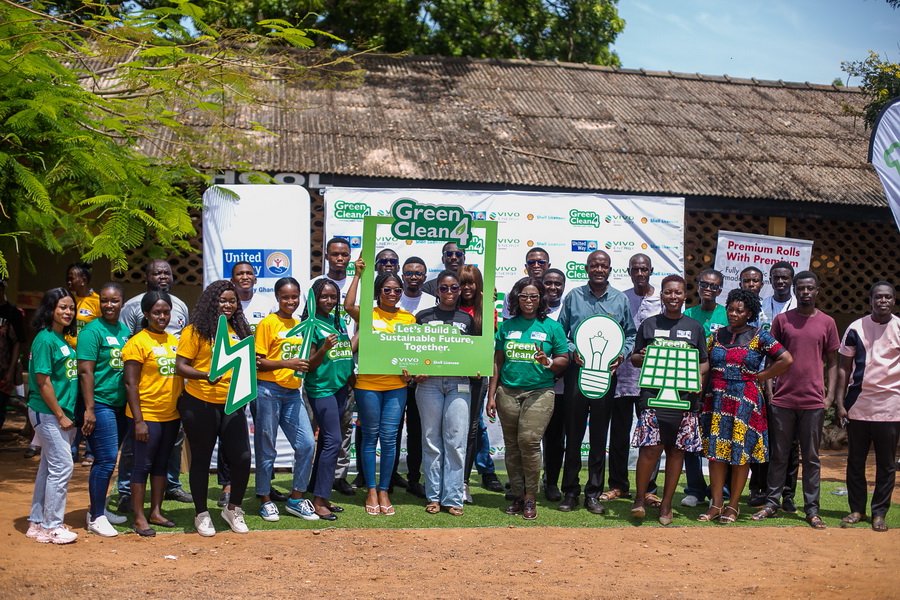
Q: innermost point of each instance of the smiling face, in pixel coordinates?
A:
(598, 268)
(244, 278)
(672, 297)
(389, 294)
(63, 313)
(110, 304)
(327, 300)
(77, 282)
(536, 263)
(738, 314)
(709, 288)
(554, 287)
(529, 300)
(288, 297)
(158, 316)
(227, 303)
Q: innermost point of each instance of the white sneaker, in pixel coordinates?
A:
(34, 530)
(101, 526)
(114, 518)
(235, 519)
(204, 525)
(269, 512)
(691, 501)
(60, 535)
(467, 495)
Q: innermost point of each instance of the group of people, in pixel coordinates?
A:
(135, 376)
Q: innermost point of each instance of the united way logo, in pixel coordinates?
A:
(584, 245)
(278, 263)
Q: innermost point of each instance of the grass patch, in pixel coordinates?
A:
(488, 512)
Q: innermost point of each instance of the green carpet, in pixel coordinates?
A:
(487, 511)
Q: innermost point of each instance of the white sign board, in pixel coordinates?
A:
(736, 251)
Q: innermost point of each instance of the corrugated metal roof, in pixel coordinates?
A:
(600, 128)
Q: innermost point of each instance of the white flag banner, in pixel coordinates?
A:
(884, 154)
(736, 251)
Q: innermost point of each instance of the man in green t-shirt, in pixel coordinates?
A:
(711, 314)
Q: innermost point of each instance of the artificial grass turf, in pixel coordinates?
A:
(488, 512)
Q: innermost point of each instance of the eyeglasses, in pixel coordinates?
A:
(388, 261)
(413, 274)
(452, 253)
(536, 261)
(448, 288)
(388, 291)
(713, 287)
(529, 296)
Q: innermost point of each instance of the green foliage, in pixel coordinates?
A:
(86, 103)
(880, 82)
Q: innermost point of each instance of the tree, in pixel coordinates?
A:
(880, 82)
(86, 104)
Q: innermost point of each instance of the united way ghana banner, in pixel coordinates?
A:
(568, 226)
(884, 154)
(736, 251)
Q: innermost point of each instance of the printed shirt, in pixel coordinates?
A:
(159, 385)
(52, 355)
(199, 352)
(336, 367)
(132, 315)
(342, 285)
(516, 338)
(685, 331)
(581, 303)
(273, 344)
(260, 306)
(642, 307)
(102, 343)
(874, 393)
(771, 308)
(87, 308)
(710, 319)
(385, 321)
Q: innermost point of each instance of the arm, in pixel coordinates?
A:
(778, 366)
(350, 304)
(831, 374)
(10, 374)
(184, 368)
(86, 379)
(294, 364)
(48, 395)
(842, 378)
(491, 405)
(132, 377)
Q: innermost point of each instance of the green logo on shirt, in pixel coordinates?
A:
(290, 350)
(166, 366)
(71, 368)
(115, 359)
(340, 350)
(519, 351)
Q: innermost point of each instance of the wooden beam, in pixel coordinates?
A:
(778, 226)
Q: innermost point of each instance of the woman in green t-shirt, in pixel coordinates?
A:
(52, 387)
(529, 350)
(100, 368)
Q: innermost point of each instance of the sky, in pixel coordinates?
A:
(797, 40)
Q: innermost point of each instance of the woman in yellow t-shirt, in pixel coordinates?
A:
(152, 388)
(202, 405)
(380, 399)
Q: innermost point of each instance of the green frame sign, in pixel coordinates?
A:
(428, 349)
(671, 367)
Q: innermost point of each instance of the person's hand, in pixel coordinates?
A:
(491, 407)
(330, 342)
(65, 423)
(840, 415)
(419, 378)
(578, 360)
(615, 364)
(360, 265)
(540, 357)
(298, 364)
(406, 377)
(214, 381)
(90, 421)
(141, 432)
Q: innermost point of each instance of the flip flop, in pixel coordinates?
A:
(432, 508)
(167, 523)
(816, 522)
(373, 510)
(387, 510)
(455, 511)
(879, 525)
(852, 519)
(149, 532)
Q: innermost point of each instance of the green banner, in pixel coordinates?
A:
(428, 349)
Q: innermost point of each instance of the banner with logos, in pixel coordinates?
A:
(884, 154)
(736, 251)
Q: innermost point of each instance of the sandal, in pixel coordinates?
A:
(612, 495)
(638, 512)
(879, 525)
(432, 508)
(373, 510)
(455, 511)
(709, 515)
(652, 500)
(852, 519)
(725, 518)
(387, 510)
(766, 513)
(816, 522)
(167, 523)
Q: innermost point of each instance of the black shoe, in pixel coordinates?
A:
(328, 517)
(490, 482)
(568, 504)
(593, 505)
(359, 483)
(551, 492)
(509, 496)
(757, 499)
(788, 506)
(398, 481)
(30, 452)
(416, 489)
(223, 500)
(180, 495)
(277, 496)
(342, 487)
(335, 508)
(124, 505)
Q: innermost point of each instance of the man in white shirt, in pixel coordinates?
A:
(256, 305)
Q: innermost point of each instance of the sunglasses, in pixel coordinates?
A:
(536, 261)
(713, 287)
(413, 274)
(452, 253)
(529, 296)
(448, 288)
(388, 261)
(389, 291)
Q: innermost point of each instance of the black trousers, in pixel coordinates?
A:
(413, 438)
(610, 419)
(479, 392)
(759, 472)
(554, 442)
(861, 435)
(790, 428)
(204, 423)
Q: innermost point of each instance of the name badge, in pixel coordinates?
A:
(282, 334)
(661, 333)
(539, 336)
(514, 335)
(463, 388)
(64, 350)
(435, 323)
(112, 341)
(681, 334)
(715, 327)
(157, 351)
(234, 337)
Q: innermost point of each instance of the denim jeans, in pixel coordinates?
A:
(444, 410)
(109, 431)
(48, 504)
(328, 411)
(380, 416)
(280, 406)
(693, 469)
(484, 464)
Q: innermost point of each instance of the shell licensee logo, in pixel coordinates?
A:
(427, 361)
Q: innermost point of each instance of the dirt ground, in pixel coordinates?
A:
(510, 563)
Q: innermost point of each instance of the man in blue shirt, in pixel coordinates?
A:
(595, 298)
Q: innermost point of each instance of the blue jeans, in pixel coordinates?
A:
(280, 406)
(380, 416)
(444, 411)
(329, 411)
(109, 431)
(696, 484)
(48, 504)
(484, 464)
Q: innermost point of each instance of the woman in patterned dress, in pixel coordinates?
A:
(733, 421)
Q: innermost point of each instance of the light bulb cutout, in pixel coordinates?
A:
(599, 340)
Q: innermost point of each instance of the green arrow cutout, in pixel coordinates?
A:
(892, 163)
(306, 328)
(242, 358)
